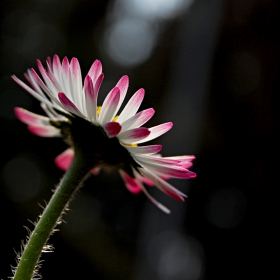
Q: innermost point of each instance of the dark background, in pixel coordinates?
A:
(211, 67)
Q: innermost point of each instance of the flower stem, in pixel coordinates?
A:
(70, 182)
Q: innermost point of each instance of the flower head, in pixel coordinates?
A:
(108, 137)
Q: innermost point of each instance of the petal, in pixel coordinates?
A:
(131, 184)
(44, 131)
(29, 77)
(98, 83)
(64, 160)
(31, 118)
(132, 106)
(138, 119)
(33, 74)
(53, 78)
(123, 86)
(163, 185)
(76, 81)
(154, 201)
(112, 129)
(109, 106)
(145, 180)
(95, 70)
(45, 89)
(91, 99)
(157, 131)
(95, 171)
(65, 66)
(38, 125)
(172, 171)
(51, 113)
(69, 105)
(186, 164)
(132, 136)
(184, 158)
(49, 60)
(57, 70)
(152, 149)
(46, 78)
(158, 160)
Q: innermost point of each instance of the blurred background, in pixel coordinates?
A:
(209, 66)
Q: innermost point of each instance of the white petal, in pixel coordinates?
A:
(122, 84)
(91, 99)
(132, 136)
(162, 185)
(77, 88)
(95, 70)
(154, 201)
(157, 131)
(69, 105)
(152, 149)
(132, 106)
(138, 119)
(57, 69)
(48, 92)
(109, 106)
(44, 131)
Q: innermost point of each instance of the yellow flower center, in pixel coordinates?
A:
(130, 145)
(98, 110)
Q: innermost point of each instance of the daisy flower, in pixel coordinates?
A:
(109, 136)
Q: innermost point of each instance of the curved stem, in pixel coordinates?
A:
(70, 182)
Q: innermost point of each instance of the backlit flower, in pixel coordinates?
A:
(110, 137)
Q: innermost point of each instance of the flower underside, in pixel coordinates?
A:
(102, 134)
(106, 152)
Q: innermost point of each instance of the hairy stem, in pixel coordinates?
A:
(71, 181)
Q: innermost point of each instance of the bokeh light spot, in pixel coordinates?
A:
(165, 9)
(129, 42)
(176, 256)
